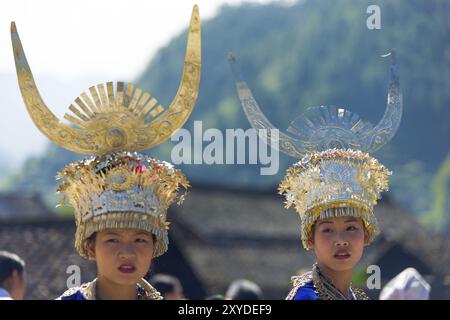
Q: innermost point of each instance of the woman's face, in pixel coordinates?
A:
(339, 242)
(123, 255)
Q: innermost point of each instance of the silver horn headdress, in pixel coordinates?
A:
(118, 188)
(335, 176)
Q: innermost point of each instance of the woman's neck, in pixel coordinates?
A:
(108, 290)
(341, 279)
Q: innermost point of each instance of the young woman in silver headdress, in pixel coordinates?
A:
(334, 186)
(120, 197)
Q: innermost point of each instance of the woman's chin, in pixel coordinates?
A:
(340, 265)
(127, 279)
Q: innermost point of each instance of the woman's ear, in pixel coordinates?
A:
(366, 237)
(154, 245)
(310, 243)
(90, 248)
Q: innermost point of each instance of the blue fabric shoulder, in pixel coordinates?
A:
(76, 296)
(72, 294)
(306, 292)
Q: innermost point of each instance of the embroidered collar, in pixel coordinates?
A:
(324, 287)
(144, 291)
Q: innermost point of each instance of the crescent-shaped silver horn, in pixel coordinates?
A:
(287, 144)
(184, 101)
(385, 130)
(41, 115)
(115, 128)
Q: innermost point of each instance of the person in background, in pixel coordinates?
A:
(168, 286)
(407, 285)
(243, 289)
(12, 276)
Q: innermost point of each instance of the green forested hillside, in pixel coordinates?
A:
(314, 53)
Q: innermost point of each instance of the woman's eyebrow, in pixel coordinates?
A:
(351, 220)
(326, 221)
(110, 233)
(142, 233)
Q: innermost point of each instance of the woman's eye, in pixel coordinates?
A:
(352, 228)
(328, 230)
(141, 240)
(112, 240)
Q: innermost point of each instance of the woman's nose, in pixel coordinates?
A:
(126, 252)
(340, 241)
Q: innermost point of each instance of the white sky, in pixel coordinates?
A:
(67, 39)
(73, 44)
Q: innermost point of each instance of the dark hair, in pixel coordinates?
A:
(8, 263)
(244, 290)
(165, 283)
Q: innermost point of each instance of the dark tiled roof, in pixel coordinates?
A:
(22, 206)
(209, 212)
(270, 267)
(400, 227)
(47, 248)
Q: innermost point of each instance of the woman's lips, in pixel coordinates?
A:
(127, 268)
(342, 255)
